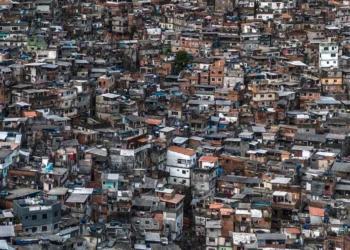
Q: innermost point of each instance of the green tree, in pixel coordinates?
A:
(133, 31)
(16, 220)
(267, 219)
(181, 60)
(188, 192)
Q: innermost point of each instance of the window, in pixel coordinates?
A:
(55, 226)
(333, 55)
(325, 48)
(26, 217)
(44, 216)
(55, 214)
(261, 95)
(34, 229)
(146, 222)
(211, 239)
(34, 217)
(174, 180)
(14, 28)
(44, 228)
(183, 171)
(213, 79)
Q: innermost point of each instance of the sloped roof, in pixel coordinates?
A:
(183, 151)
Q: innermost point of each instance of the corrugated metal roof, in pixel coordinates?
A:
(341, 167)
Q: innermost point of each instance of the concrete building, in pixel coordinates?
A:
(204, 176)
(107, 106)
(180, 162)
(38, 216)
(328, 55)
(173, 211)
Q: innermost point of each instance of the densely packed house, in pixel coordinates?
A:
(149, 125)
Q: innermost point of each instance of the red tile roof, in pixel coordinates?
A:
(208, 158)
(183, 151)
(315, 211)
(153, 121)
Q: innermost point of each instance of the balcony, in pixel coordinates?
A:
(285, 205)
(134, 151)
(36, 43)
(108, 110)
(327, 192)
(212, 243)
(173, 209)
(274, 246)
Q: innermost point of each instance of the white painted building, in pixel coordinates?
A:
(328, 55)
(302, 152)
(264, 15)
(276, 7)
(264, 96)
(180, 162)
(166, 133)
